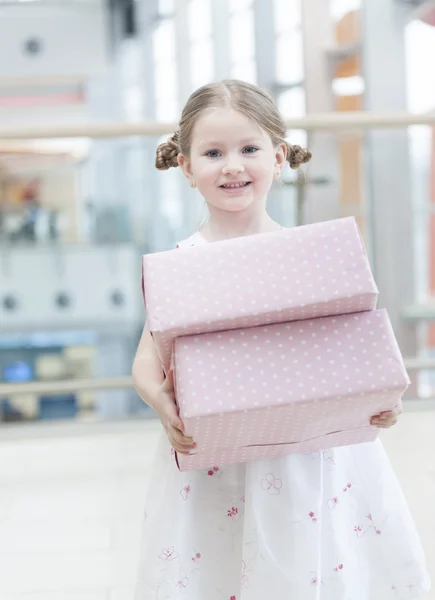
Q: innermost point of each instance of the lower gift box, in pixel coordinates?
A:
(297, 387)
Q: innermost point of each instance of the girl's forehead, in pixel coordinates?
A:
(225, 124)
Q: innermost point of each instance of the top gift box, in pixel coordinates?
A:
(294, 274)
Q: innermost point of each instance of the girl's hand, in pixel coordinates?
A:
(388, 418)
(167, 411)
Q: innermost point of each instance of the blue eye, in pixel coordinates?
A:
(213, 153)
(250, 150)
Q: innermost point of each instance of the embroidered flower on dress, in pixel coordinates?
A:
(245, 580)
(272, 484)
(338, 568)
(213, 471)
(197, 557)
(313, 517)
(168, 554)
(185, 492)
(233, 513)
(348, 486)
(182, 585)
(332, 503)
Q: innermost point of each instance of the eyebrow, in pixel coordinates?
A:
(215, 143)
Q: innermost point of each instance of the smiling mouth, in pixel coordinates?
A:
(230, 186)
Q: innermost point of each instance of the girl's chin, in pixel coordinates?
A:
(233, 204)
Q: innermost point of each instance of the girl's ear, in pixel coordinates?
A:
(280, 159)
(281, 155)
(185, 166)
(184, 163)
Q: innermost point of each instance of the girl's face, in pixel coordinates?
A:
(232, 160)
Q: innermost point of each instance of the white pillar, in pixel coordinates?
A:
(388, 187)
(221, 36)
(322, 203)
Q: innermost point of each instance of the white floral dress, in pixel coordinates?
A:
(332, 525)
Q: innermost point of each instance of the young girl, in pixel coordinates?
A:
(331, 525)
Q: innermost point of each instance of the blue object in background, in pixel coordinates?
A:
(57, 407)
(18, 372)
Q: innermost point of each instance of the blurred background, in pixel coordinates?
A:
(88, 89)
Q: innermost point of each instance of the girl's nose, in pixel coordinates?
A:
(232, 166)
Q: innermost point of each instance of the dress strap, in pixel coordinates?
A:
(194, 240)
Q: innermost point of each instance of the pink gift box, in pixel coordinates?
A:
(286, 388)
(289, 275)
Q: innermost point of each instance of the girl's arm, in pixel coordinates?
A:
(158, 392)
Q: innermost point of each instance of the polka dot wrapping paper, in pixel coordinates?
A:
(290, 275)
(286, 388)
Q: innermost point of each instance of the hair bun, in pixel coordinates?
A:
(167, 153)
(297, 156)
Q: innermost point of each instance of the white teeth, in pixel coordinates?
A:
(235, 185)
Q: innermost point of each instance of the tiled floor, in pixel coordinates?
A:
(71, 504)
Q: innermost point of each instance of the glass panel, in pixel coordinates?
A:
(291, 103)
(288, 15)
(200, 20)
(239, 5)
(289, 58)
(167, 109)
(420, 44)
(246, 70)
(172, 206)
(340, 7)
(166, 7)
(348, 86)
(164, 41)
(242, 38)
(134, 102)
(112, 205)
(166, 79)
(201, 63)
(422, 152)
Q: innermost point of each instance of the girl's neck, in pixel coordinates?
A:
(224, 225)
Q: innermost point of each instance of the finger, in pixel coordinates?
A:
(387, 424)
(168, 384)
(386, 414)
(176, 423)
(179, 447)
(181, 439)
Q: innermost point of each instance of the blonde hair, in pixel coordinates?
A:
(249, 99)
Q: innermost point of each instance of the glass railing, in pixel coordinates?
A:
(72, 365)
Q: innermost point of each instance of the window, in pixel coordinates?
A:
(239, 5)
(242, 38)
(289, 57)
(166, 7)
(201, 43)
(341, 7)
(164, 40)
(201, 63)
(199, 17)
(291, 103)
(288, 15)
(165, 72)
(242, 43)
(247, 71)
